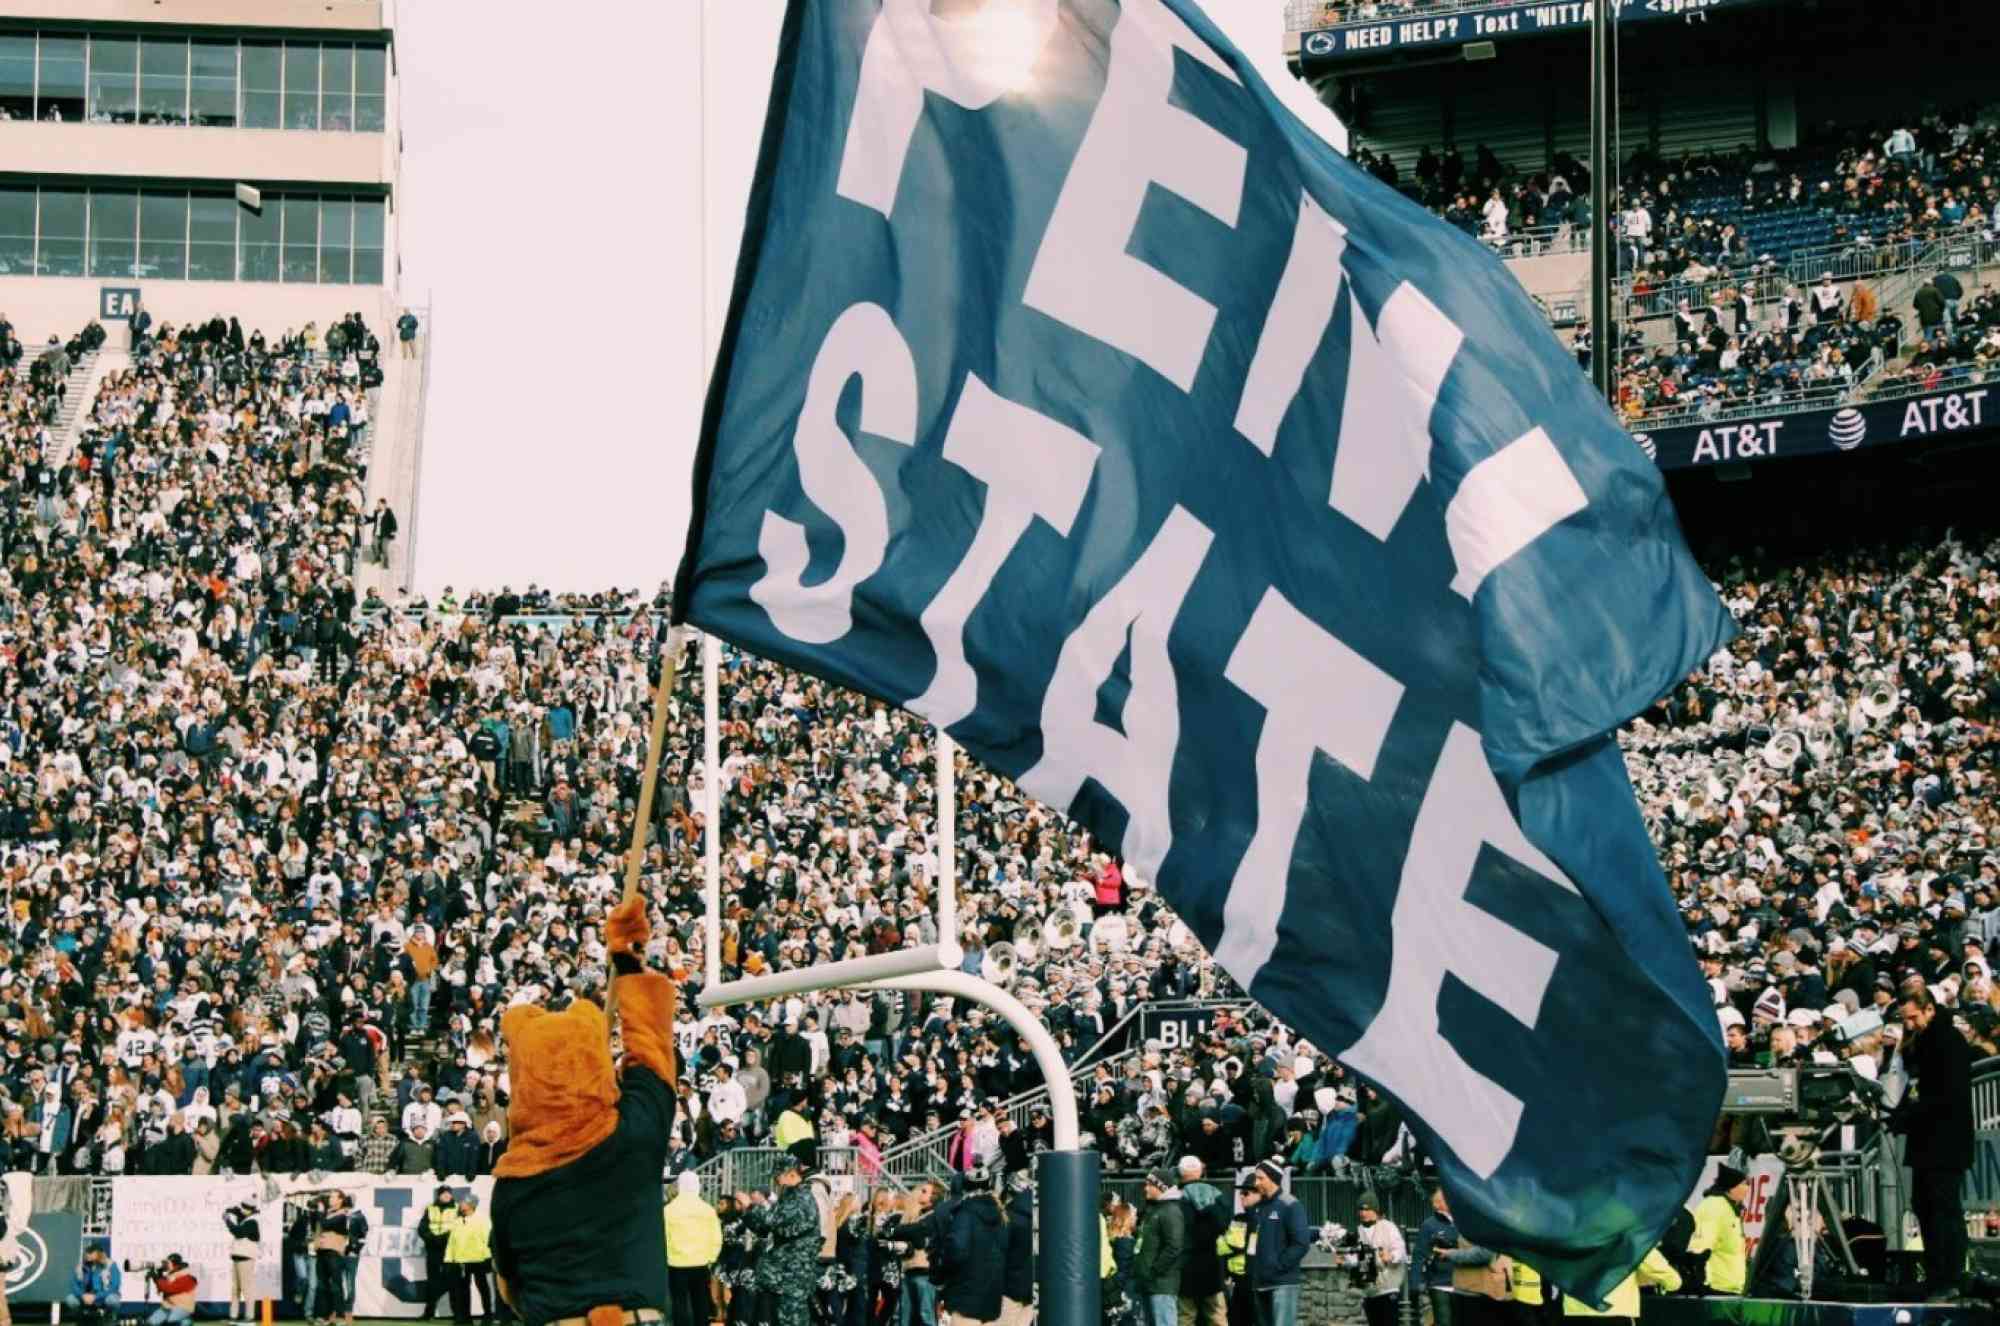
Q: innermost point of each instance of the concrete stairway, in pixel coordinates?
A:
(80, 392)
(396, 458)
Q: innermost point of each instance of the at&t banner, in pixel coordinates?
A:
(1965, 409)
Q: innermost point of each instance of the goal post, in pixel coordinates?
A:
(1067, 1178)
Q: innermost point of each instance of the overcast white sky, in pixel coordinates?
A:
(552, 187)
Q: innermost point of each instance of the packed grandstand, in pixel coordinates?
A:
(278, 851)
(276, 859)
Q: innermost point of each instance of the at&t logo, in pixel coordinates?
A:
(31, 1256)
(1848, 429)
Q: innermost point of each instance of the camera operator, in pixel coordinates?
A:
(175, 1284)
(246, 1238)
(299, 1236)
(1936, 1117)
(94, 1292)
(1384, 1243)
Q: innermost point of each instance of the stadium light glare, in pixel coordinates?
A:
(1003, 41)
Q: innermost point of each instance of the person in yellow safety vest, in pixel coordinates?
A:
(791, 1129)
(468, 1256)
(1656, 1272)
(1529, 1300)
(1233, 1247)
(435, 1232)
(694, 1241)
(1718, 1231)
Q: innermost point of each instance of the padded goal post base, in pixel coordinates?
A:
(1067, 1256)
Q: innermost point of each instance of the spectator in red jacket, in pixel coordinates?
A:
(1110, 887)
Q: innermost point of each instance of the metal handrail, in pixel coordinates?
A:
(751, 1168)
(1120, 1035)
(1846, 262)
(1986, 1094)
(420, 413)
(1539, 241)
(926, 1153)
(1806, 401)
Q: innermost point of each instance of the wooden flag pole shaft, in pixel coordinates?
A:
(635, 860)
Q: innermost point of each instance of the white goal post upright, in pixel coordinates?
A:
(1067, 1175)
(930, 968)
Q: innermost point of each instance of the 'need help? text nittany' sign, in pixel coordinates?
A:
(1078, 398)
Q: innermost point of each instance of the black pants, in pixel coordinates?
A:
(436, 1284)
(332, 1295)
(687, 1290)
(465, 1277)
(1935, 1196)
(1379, 1309)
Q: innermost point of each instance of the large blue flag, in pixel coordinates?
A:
(1077, 397)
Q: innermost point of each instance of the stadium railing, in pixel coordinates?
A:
(1127, 1033)
(753, 1168)
(416, 412)
(1814, 398)
(927, 1154)
(1845, 262)
(1986, 1094)
(1539, 241)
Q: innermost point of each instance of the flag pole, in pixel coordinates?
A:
(1603, 105)
(642, 818)
(711, 814)
(711, 647)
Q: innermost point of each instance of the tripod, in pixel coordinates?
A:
(1808, 1202)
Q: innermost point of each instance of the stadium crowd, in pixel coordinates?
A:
(276, 860)
(1682, 225)
(1723, 358)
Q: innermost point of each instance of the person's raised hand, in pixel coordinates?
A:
(625, 929)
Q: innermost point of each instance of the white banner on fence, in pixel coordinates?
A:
(151, 1217)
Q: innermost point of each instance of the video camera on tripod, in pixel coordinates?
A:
(1801, 1110)
(1350, 1254)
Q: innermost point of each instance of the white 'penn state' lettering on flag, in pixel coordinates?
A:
(1078, 398)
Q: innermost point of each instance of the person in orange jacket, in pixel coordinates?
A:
(578, 1198)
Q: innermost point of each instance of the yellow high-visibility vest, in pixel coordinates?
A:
(1655, 1270)
(1718, 1231)
(471, 1240)
(1233, 1246)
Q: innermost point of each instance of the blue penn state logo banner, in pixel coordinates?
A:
(1080, 399)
